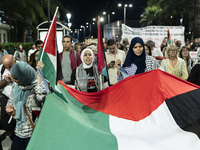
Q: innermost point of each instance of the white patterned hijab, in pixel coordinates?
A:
(85, 66)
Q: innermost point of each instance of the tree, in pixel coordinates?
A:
(24, 14)
(150, 16)
(171, 11)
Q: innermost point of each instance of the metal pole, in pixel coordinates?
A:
(84, 33)
(124, 15)
(90, 29)
(48, 3)
(78, 35)
(108, 18)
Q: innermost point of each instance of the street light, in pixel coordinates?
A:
(126, 5)
(69, 24)
(101, 19)
(68, 18)
(88, 25)
(104, 13)
(83, 32)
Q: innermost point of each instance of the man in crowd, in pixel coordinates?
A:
(178, 44)
(113, 56)
(5, 90)
(38, 44)
(31, 51)
(195, 45)
(125, 42)
(69, 59)
(154, 51)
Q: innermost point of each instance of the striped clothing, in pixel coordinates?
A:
(151, 64)
(37, 93)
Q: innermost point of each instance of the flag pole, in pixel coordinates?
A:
(107, 70)
(48, 33)
(100, 38)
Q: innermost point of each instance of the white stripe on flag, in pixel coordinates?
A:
(158, 131)
(53, 61)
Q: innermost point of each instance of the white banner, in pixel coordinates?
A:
(154, 33)
(193, 55)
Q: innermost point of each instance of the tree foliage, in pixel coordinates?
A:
(167, 12)
(150, 15)
(22, 15)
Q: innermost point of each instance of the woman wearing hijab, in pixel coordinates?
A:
(27, 89)
(137, 61)
(86, 76)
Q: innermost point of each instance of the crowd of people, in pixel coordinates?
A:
(22, 87)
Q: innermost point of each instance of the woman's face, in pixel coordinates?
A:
(19, 82)
(185, 52)
(172, 52)
(146, 50)
(78, 49)
(20, 46)
(87, 57)
(36, 55)
(138, 49)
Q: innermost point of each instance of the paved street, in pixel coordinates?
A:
(6, 143)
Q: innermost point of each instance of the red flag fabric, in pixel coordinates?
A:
(159, 57)
(49, 44)
(169, 35)
(49, 54)
(100, 50)
(126, 94)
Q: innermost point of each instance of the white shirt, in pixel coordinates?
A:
(156, 52)
(31, 51)
(113, 71)
(7, 89)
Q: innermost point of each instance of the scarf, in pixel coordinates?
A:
(25, 73)
(21, 50)
(85, 66)
(131, 57)
(82, 80)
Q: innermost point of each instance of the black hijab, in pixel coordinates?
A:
(131, 57)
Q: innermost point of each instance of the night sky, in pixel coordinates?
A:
(85, 10)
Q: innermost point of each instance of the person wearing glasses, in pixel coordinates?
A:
(173, 64)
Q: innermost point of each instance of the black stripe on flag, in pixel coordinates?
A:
(185, 108)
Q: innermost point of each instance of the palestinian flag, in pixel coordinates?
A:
(49, 54)
(149, 111)
(100, 49)
(169, 39)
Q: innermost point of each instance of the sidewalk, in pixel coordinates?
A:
(6, 144)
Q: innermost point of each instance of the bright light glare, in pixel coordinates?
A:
(119, 5)
(101, 19)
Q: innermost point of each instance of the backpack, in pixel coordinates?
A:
(164, 62)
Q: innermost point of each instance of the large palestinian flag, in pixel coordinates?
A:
(149, 111)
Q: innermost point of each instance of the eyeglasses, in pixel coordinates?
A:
(172, 50)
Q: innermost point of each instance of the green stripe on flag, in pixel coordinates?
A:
(48, 70)
(72, 126)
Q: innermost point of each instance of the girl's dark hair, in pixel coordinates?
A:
(33, 62)
(188, 55)
(148, 48)
(122, 47)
